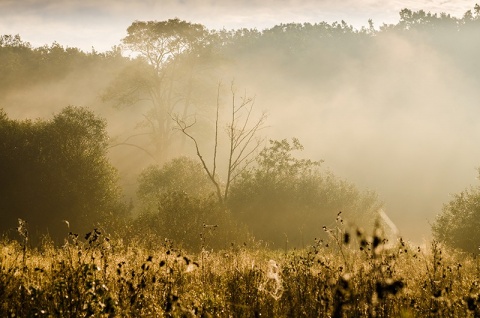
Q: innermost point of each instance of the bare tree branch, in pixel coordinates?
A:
(243, 143)
(183, 126)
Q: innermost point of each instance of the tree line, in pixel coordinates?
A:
(57, 169)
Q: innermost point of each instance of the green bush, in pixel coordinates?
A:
(284, 198)
(191, 222)
(181, 174)
(56, 170)
(459, 223)
(177, 202)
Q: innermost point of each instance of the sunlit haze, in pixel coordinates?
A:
(397, 118)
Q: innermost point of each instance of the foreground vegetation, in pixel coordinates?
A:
(348, 275)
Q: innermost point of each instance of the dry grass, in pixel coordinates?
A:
(349, 275)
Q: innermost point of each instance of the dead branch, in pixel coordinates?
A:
(243, 141)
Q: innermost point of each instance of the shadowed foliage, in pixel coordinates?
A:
(56, 170)
(459, 223)
(286, 199)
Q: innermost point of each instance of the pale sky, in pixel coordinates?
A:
(102, 23)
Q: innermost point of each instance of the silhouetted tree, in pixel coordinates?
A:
(56, 170)
(162, 76)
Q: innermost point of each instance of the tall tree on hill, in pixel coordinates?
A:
(167, 54)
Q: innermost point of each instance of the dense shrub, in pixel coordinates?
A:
(459, 223)
(181, 174)
(285, 199)
(56, 171)
(191, 222)
(177, 203)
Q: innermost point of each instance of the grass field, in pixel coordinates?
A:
(349, 275)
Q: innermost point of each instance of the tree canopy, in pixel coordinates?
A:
(22, 65)
(181, 174)
(178, 203)
(459, 222)
(287, 199)
(162, 78)
(54, 171)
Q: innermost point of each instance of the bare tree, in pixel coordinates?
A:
(243, 140)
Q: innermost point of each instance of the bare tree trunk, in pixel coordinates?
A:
(243, 141)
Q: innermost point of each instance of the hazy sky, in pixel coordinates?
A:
(102, 23)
